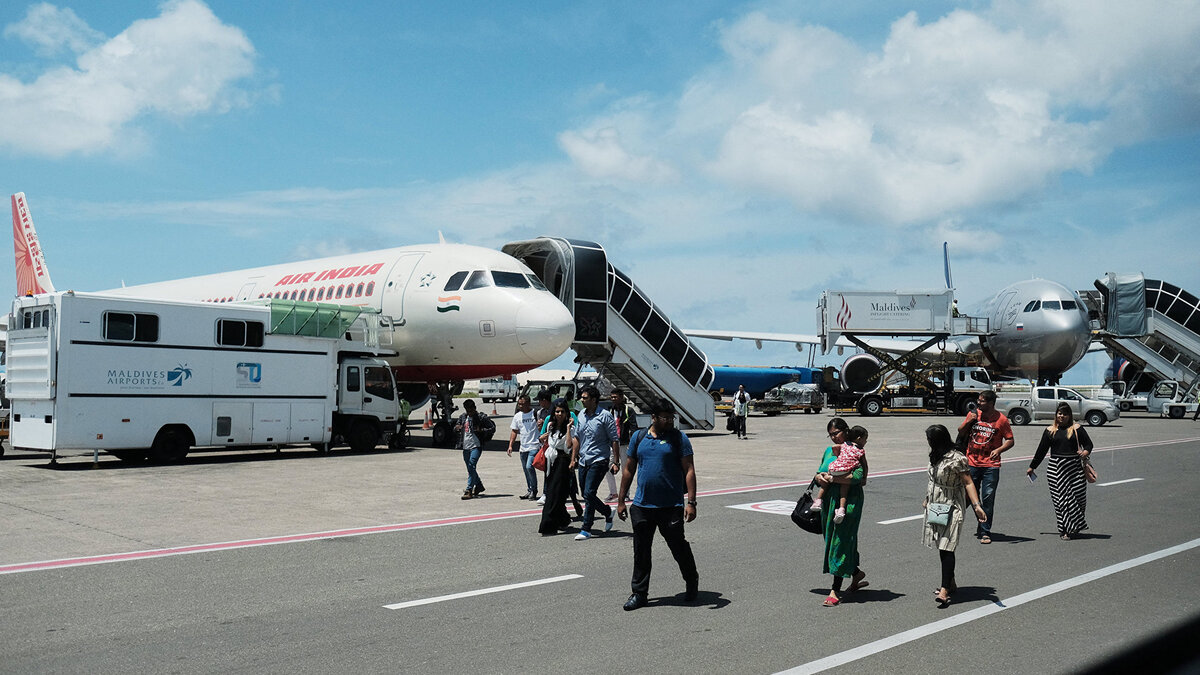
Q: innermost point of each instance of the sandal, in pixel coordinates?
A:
(985, 539)
(858, 582)
(830, 601)
(942, 603)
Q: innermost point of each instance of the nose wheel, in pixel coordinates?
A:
(443, 410)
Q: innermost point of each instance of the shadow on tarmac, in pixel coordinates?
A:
(708, 599)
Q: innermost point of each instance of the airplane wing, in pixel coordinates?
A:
(889, 345)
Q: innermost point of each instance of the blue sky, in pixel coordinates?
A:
(733, 158)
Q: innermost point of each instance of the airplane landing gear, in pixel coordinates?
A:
(442, 408)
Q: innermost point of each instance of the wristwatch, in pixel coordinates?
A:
(691, 502)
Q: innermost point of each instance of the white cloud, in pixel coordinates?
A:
(967, 111)
(50, 30)
(182, 63)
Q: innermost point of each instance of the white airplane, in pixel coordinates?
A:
(459, 312)
(1039, 331)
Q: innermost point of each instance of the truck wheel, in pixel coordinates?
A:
(870, 407)
(1095, 418)
(1176, 412)
(442, 435)
(169, 446)
(363, 436)
(1018, 416)
(1126, 406)
(966, 405)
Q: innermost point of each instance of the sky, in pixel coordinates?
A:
(735, 159)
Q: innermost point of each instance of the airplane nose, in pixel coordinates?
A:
(545, 329)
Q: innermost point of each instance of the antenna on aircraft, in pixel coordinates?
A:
(946, 259)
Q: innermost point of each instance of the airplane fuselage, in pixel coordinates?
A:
(496, 320)
(1040, 329)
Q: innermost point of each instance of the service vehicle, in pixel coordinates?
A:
(142, 378)
(502, 389)
(1040, 403)
(937, 390)
(790, 397)
(1169, 398)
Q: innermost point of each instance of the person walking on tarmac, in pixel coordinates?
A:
(594, 455)
(989, 436)
(741, 406)
(626, 425)
(661, 458)
(472, 429)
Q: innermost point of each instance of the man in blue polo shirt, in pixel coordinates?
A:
(594, 456)
(661, 457)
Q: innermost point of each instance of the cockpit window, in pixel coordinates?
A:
(478, 279)
(1032, 306)
(510, 279)
(1049, 304)
(455, 281)
(1068, 304)
(535, 282)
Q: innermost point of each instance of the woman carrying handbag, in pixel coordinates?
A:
(1067, 470)
(950, 487)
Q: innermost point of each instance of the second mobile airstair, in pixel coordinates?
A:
(618, 331)
(1151, 323)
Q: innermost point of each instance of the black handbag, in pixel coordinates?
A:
(803, 517)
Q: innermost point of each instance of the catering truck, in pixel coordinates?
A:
(951, 390)
(143, 378)
(1169, 398)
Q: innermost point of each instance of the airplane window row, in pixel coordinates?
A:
(315, 294)
(485, 278)
(1035, 305)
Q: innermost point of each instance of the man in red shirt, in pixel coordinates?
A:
(990, 435)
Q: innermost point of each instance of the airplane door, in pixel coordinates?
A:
(392, 302)
(247, 291)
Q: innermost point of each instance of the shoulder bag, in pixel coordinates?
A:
(937, 513)
(539, 460)
(805, 518)
(1089, 474)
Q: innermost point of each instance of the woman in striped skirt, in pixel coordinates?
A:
(1069, 447)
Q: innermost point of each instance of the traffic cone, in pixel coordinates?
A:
(494, 413)
(428, 420)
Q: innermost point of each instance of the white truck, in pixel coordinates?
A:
(1170, 399)
(1040, 403)
(502, 389)
(145, 378)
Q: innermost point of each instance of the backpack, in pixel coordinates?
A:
(486, 430)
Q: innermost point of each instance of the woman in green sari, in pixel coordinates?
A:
(841, 539)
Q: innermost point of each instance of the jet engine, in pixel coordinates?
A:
(858, 373)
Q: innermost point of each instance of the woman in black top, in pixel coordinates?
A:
(1069, 448)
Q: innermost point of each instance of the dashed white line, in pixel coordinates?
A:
(901, 520)
(1118, 482)
(482, 591)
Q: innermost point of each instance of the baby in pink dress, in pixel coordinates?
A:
(848, 459)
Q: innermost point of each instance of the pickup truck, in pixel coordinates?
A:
(1040, 403)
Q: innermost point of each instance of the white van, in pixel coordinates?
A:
(501, 389)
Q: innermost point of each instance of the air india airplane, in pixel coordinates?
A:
(459, 312)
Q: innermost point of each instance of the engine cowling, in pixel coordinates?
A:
(858, 372)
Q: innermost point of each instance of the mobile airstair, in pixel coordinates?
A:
(1151, 323)
(618, 331)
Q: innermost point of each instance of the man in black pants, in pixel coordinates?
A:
(662, 459)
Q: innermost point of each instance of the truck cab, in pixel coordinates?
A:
(368, 410)
(1169, 399)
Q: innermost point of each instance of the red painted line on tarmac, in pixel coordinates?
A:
(441, 522)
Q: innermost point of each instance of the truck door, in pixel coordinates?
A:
(232, 424)
(1044, 403)
(1163, 392)
(1073, 399)
(379, 393)
(350, 394)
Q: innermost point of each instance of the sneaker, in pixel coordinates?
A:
(816, 505)
(612, 497)
(533, 496)
(478, 490)
(839, 515)
(635, 601)
(583, 534)
(524, 496)
(608, 520)
(467, 495)
(541, 500)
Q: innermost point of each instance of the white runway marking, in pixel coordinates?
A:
(901, 520)
(928, 629)
(1118, 482)
(482, 591)
(781, 506)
